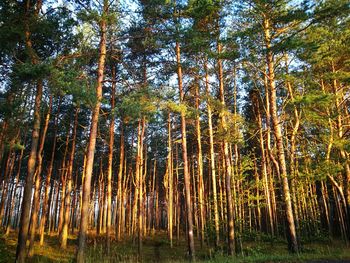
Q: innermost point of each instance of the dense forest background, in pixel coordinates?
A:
(211, 120)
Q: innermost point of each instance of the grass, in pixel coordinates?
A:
(156, 248)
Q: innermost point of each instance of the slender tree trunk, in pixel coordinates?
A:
(185, 160)
(170, 183)
(92, 139)
(152, 219)
(293, 166)
(229, 204)
(52, 216)
(11, 214)
(269, 154)
(27, 195)
(74, 202)
(257, 112)
(110, 163)
(6, 182)
(64, 179)
(120, 196)
(200, 166)
(136, 182)
(292, 238)
(343, 153)
(212, 158)
(67, 201)
(48, 187)
(100, 189)
(140, 186)
(37, 190)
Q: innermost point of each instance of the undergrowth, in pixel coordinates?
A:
(156, 248)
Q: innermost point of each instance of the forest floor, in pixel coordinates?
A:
(156, 248)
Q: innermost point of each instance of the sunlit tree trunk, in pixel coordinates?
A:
(292, 238)
(120, 196)
(269, 155)
(140, 186)
(64, 177)
(185, 159)
(170, 183)
(339, 97)
(37, 190)
(228, 169)
(293, 161)
(67, 201)
(200, 165)
(264, 165)
(212, 158)
(48, 187)
(92, 139)
(110, 162)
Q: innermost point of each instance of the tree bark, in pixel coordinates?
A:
(292, 238)
(228, 169)
(37, 189)
(187, 179)
(27, 194)
(200, 165)
(110, 162)
(48, 187)
(67, 201)
(212, 158)
(92, 138)
(120, 197)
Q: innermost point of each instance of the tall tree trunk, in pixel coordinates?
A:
(27, 195)
(292, 238)
(64, 177)
(187, 179)
(212, 158)
(110, 162)
(67, 201)
(200, 165)
(293, 161)
(228, 171)
(120, 196)
(37, 189)
(269, 155)
(343, 153)
(92, 138)
(264, 166)
(139, 181)
(100, 189)
(48, 187)
(170, 183)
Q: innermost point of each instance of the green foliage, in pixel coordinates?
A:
(71, 81)
(323, 168)
(175, 107)
(29, 71)
(234, 127)
(139, 103)
(16, 146)
(315, 105)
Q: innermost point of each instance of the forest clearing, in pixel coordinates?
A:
(175, 130)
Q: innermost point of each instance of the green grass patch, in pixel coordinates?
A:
(156, 248)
